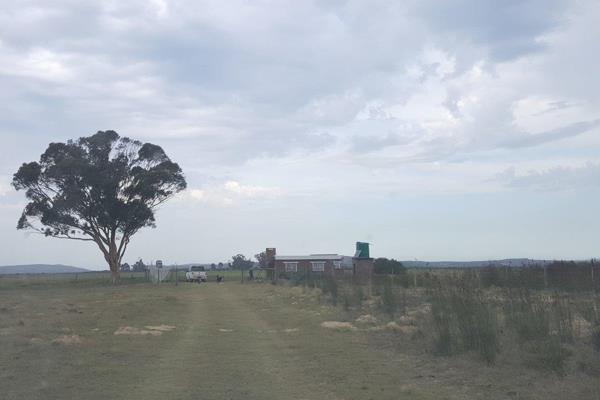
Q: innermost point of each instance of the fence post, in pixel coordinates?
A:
(305, 277)
(176, 276)
(545, 277)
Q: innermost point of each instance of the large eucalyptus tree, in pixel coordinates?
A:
(103, 189)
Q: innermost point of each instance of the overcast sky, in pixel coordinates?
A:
(454, 130)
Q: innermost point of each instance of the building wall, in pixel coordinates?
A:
(304, 267)
(361, 271)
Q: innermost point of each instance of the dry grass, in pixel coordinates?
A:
(248, 342)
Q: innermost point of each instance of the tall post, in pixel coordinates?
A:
(592, 268)
(176, 276)
(305, 276)
(545, 276)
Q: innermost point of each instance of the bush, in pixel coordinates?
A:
(444, 326)
(549, 355)
(383, 265)
(596, 339)
(563, 318)
(527, 317)
(359, 294)
(329, 286)
(464, 321)
(389, 303)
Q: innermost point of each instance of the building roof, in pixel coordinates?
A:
(310, 257)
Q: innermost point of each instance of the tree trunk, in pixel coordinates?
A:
(114, 272)
(111, 255)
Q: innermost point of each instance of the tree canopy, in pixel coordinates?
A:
(384, 265)
(239, 261)
(103, 188)
(262, 259)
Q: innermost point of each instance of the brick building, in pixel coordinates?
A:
(359, 266)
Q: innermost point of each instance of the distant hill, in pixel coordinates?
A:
(510, 262)
(40, 269)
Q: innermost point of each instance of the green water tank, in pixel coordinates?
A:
(362, 250)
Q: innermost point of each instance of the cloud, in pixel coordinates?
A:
(407, 82)
(260, 102)
(557, 178)
(562, 132)
(231, 193)
(366, 144)
(503, 30)
(4, 188)
(250, 191)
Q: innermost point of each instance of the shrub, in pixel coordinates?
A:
(347, 302)
(549, 355)
(444, 325)
(596, 339)
(527, 317)
(329, 286)
(389, 303)
(383, 265)
(359, 293)
(464, 321)
(563, 318)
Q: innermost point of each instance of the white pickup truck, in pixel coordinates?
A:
(196, 273)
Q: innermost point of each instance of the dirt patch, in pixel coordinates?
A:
(161, 328)
(129, 330)
(338, 325)
(68, 340)
(423, 309)
(7, 331)
(395, 327)
(35, 340)
(366, 319)
(405, 329)
(582, 327)
(406, 320)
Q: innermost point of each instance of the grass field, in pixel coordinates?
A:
(234, 341)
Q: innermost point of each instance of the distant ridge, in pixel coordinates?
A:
(39, 269)
(509, 262)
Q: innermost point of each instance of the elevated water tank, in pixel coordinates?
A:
(362, 250)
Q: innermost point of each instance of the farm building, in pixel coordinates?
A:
(359, 266)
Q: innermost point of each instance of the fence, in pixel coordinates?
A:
(559, 275)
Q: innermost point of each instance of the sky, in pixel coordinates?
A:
(455, 130)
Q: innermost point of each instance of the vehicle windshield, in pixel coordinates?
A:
(197, 268)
